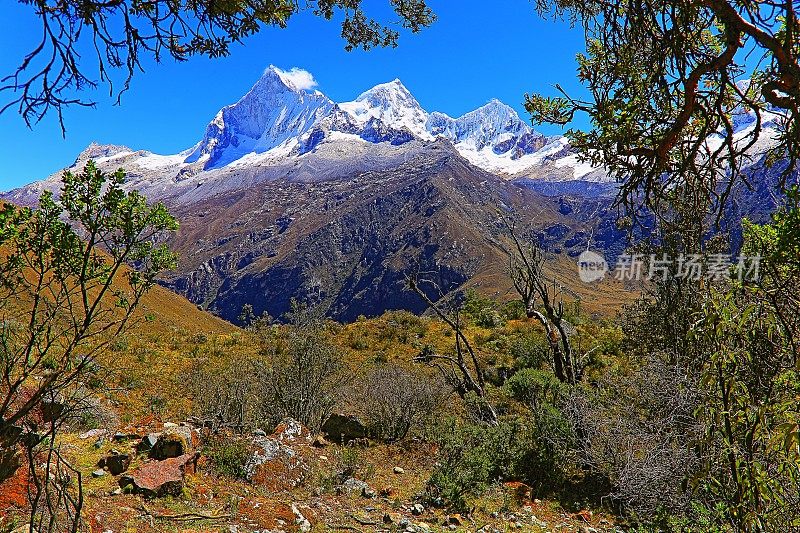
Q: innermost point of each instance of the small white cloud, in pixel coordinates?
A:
(300, 79)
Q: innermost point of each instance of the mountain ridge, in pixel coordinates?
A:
(278, 123)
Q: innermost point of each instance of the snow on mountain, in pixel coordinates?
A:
(392, 104)
(492, 137)
(273, 111)
(283, 125)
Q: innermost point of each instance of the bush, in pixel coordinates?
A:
(535, 388)
(304, 372)
(227, 395)
(472, 456)
(395, 400)
(228, 456)
(638, 429)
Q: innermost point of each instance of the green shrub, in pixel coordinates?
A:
(533, 450)
(228, 456)
(489, 318)
(535, 388)
(529, 352)
(513, 310)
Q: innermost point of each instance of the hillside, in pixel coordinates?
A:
(166, 377)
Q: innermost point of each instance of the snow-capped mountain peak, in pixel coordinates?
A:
(275, 110)
(389, 95)
(391, 104)
(284, 125)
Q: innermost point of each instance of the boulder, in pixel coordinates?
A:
(121, 436)
(301, 521)
(319, 442)
(174, 442)
(92, 433)
(290, 431)
(161, 478)
(147, 442)
(274, 465)
(353, 486)
(9, 435)
(344, 428)
(115, 462)
(52, 410)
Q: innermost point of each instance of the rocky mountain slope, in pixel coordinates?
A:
(280, 130)
(291, 195)
(348, 242)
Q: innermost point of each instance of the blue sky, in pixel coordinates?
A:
(470, 55)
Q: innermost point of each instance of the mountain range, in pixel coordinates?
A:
(291, 195)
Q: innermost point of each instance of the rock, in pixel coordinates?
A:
(301, 521)
(161, 478)
(356, 486)
(30, 439)
(343, 428)
(453, 520)
(51, 410)
(99, 473)
(398, 470)
(9, 435)
(115, 462)
(147, 442)
(259, 433)
(520, 491)
(121, 436)
(92, 433)
(174, 442)
(274, 465)
(290, 431)
(417, 509)
(170, 425)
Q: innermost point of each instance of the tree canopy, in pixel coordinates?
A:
(668, 80)
(121, 33)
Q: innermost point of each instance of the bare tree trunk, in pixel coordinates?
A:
(466, 374)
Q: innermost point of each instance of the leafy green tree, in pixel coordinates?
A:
(119, 34)
(72, 274)
(663, 77)
(752, 446)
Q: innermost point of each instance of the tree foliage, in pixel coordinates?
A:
(120, 34)
(667, 82)
(67, 289)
